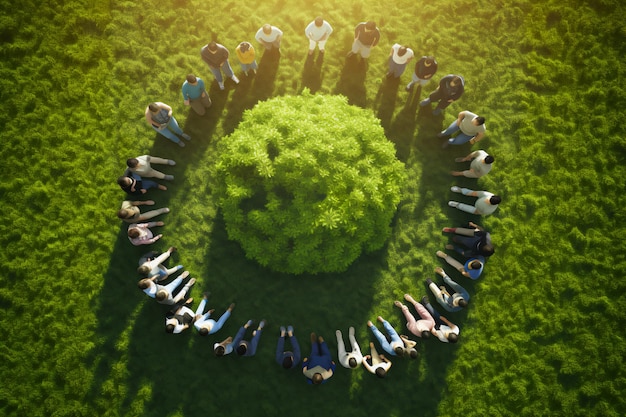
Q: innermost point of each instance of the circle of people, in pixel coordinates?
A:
(472, 243)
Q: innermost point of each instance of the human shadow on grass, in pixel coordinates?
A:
(312, 73)
(385, 101)
(402, 129)
(351, 81)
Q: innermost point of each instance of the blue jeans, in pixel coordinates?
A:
(396, 69)
(171, 130)
(281, 354)
(459, 139)
(383, 340)
(217, 72)
(247, 67)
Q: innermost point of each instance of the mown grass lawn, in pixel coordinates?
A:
(544, 333)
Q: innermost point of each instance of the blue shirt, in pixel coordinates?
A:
(193, 92)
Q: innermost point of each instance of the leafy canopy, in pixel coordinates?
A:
(306, 183)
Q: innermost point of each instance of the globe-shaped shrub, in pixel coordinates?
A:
(306, 183)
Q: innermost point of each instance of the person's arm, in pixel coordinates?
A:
(142, 203)
(477, 138)
(448, 322)
(148, 115)
(166, 107)
(460, 118)
(376, 38)
(151, 224)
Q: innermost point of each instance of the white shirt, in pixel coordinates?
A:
(316, 33)
(262, 36)
(478, 164)
(482, 203)
(401, 59)
(470, 128)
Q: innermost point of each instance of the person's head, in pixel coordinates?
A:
(133, 233)
(494, 200)
(242, 349)
(402, 50)
(370, 25)
(319, 21)
(123, 214)
(288, 362)
(475, 264)
(143, 270)
(124, 181)
(487, 250)
(203, 331)
(169, 328)
(191, 79)
(399, 350)
(212, 46)
(143, 284)
(153, 107)
(317, 378)
(489, 159)
(381, 373)
(244, 46)
(453, 338)
(267, 28)
(479, 121)
(413, 354)
(132, 162)
(463, 302)
(219, 350)
(352, 362)
(425, 334)
(161, 295)
(456, 80)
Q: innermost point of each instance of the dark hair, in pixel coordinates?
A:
(191, 78)
(169, 328)
(133, 232)
(242, 349)
(143, 270)
(203, 331)
(401, 51)
(370, 25)
(161, 295)
(123, 214)
(462, 302)
(352, 362)
(380, 372)
(212, 46)
(153, 107)
(319, 21)
(288, 362)
(399, 350)
(317, 378)
(219, 350)
(480, 120)
(244, 46)
(413, 354)
(122, 181)
(487, 250)
(496, 199)
(453, 338)
(455, 80)
(425, 334)
(143, 284)
(475, 264)
(132, 162)
(489, 159)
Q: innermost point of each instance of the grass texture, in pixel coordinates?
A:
(544, 333)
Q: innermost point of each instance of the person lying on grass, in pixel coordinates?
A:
(472, 268)
(445, 330)
(150, 264)
(422, 327)
(319, 366)
(393, 343)
(136, 186)
(376, 363)
(164, 294)
(179, 317)
(204, 324)
(486, 202)
(352, 359)
(288, 359)
(452, 303)
(140, 233)
(130, 212)
(475, 239)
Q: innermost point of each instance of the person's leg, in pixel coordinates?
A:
(353, 343)
(322, 45)
(159, 161)
(365, 51)
(148, 184)
(206, 101)
(254, 342)
(395, 337)
(201, 306)
(168, 134)
(381, 338)
(173, 285)
(456, 287)
(228, 71)
(254, 66)
(170, 271)
(434, 314)
(414, 79)
(439, 295)
(197, 106)
(356, 47)
(312, 45)
(295, 348)
(315, 348)
(280, 349)
(410, 319)
(341, 347)
(220, 322)
(466, 208)
(451, 261)
(450, 129)
(217, 74)
(460, 139)
(153, 173)
(152, 213)
(173, 126)
(324, 349)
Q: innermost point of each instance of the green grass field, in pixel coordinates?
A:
(544, 332)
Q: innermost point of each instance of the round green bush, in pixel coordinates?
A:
(306, 183)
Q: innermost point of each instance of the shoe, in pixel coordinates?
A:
(186, 136)
(322, 51)
(169, 177)
(453, 203)
(181, 143)
(282, 330)
(350, 54)
(441, 134)
(439, 270)
(235, 79)
(429, 281)
(262, 324)
(441, 254)
(425, 102)
(311, 52)
(171, 162)
(313, 338)
(189, 300)
(290, 329)
(248, 324)
(455, 189)
(436, 112)
(191, 282)
(424, 300)
(205, 295)
(450, 247)
(447, 230)
(408, 88)
(409, 298)
(221, 85)
(397, 304)
(231, 306)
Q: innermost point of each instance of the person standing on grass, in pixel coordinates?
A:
(472, 129)
(151, 265)
(291, 358)
(243, 347)
(472, 268)
(452, 303)
(425, 68)
(450, 89)
(376, 363)
(247, 57)
(142, 166)
(179, 317)
(203, 322)
(422, 327)
(475, 239)
(394, 346)
(399, 57)
(480, 165)
(444, 330)
(318, 32)
(130, 212)
(486, 202)
(366, 36)
(134, 185)
(140, 233)
(319, 367)
(270, 37)
(216, 57)
(351, 359)
(195, 95)
(159, 117)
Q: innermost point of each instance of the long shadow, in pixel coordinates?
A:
(351, 82)
(402, 128)
(385, 101)
(312, 72)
